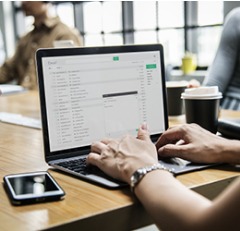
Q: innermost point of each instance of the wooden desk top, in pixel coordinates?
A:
(86, 206)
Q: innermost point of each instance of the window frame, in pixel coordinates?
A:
(190, 27)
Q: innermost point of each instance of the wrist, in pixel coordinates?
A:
(140, 173)
(231, 152)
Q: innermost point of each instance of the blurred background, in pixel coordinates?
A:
(193, 26)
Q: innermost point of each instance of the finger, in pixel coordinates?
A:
(109, 140)
(144, 126)
(97, 147)
(113, 146)
(93, 159)
(172, 150)
(171, 136)
(143, 133)
(106, 140)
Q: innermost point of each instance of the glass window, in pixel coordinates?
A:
(141, 37)
(113, 39)
(149, 16)
(147, 22)
(66, 14)
(208, 41)
(144, 15)
(170, 14)
(93, 40)
(208, 38)
(112, 16)
(210, 12)
(100, 19)
(92, 17)
(173, 44)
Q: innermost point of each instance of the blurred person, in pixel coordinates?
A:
(47, 29)
(172, 205)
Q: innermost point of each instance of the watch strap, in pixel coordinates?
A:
(141, 172)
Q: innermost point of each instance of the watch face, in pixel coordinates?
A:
(137, 176)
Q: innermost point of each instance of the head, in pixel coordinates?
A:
(35, 8)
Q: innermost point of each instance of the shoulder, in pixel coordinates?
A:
(57, 25)
(62, 31)
(231, 28)
(55, 22)
(233, 16)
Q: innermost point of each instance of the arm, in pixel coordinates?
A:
(171, 204)
(8, 70)
(14, 67)
(175, 207)
(223, 66)
(191, 142)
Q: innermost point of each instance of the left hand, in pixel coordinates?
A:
(120, 158)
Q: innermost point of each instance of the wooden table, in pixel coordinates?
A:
(86, 206)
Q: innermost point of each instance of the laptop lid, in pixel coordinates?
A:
(89, 93)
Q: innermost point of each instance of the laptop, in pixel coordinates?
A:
(229, 128)
(89, 93)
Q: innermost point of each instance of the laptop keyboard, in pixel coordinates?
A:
(80, 166)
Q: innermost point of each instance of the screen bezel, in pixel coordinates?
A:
(50, 52)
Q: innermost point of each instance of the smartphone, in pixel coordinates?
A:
(34, 187)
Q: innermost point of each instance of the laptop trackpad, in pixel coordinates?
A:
(101, 180)
(178, 165)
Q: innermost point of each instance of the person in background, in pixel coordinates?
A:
(225, 69)
(47, 29)
(172, 205)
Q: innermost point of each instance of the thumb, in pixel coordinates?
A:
(143, 133)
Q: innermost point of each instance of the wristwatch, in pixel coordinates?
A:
(141, 172)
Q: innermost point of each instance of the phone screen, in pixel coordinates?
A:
(36, 184)
(32, 187)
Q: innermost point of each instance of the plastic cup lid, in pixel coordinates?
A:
(176, 84)
(202, 93)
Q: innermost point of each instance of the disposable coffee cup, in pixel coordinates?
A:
(202, 106)
(174, 101)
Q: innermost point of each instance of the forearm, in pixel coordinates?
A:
(230, 152)
(171, 205)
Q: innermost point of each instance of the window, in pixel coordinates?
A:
(102, 23)
(180, 26)
(66, 13)
(209, 31)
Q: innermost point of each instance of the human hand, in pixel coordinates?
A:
(193, 83)
(191, 142)
(119, 158)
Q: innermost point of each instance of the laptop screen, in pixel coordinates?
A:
(92, 95)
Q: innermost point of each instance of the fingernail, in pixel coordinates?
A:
(145, 126)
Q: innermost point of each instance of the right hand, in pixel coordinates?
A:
(120, 158)
(191, 142)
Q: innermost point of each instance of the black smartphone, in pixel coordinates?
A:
(33, 187)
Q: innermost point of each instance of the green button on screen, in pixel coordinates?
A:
(151, 66)
(115, 58)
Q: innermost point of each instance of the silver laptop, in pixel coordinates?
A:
(90, 93)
